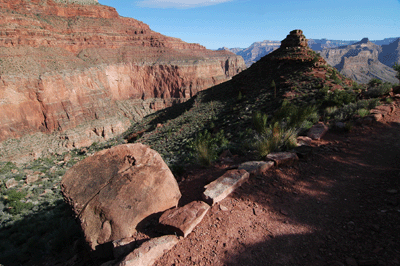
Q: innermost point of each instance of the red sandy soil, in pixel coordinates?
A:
(339, 206)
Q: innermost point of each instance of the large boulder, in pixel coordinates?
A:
(113, 190)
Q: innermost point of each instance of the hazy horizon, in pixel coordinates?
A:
(240, 23)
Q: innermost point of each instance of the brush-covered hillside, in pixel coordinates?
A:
(292, 83)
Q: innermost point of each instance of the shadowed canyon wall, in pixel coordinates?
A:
(79, 73)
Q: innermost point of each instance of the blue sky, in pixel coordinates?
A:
(239, 23)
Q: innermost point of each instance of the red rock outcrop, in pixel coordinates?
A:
(64, 65)
(115, 189)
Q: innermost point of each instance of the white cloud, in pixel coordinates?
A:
(179, 3)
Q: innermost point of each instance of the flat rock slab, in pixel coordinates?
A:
(149, 252)
(317, 131)
(115, 189)
(283, 158)
(256, 168)
(224, 185)
(183, 220)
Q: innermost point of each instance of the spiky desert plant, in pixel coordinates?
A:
(207, 146)
(260, 122)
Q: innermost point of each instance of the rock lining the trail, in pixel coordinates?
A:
(183, 220)
(224, 185)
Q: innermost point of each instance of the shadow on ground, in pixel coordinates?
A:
(340, 207)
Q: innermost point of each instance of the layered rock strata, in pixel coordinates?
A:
(360, 61)
(64, 66)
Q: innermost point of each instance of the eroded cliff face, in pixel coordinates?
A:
(359, 61)
(80, 73)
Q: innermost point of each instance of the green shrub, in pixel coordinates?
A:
(338, 98)
(374, 82)
(294, 116)
(12, 200)
(6, 167)
(351, 109)
(389, 100)
(378, 90)
(276, 138)
(363, 112)
(282, 132)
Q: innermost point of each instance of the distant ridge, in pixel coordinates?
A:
(388, 51)
(361, 61)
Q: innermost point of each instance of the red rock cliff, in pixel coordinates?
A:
(64, 65)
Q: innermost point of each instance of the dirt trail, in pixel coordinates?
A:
(340, 206)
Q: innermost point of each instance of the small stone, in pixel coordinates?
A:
(284, 212)
(317, 131)
(304, 151)
(11, 183)
(256, 168)
(283, 158)
(31, 178)
(46, 192)
(67, 157)
(303, 140)
(223, 208)
(14, 171)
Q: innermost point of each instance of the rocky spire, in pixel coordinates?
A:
(295, 39)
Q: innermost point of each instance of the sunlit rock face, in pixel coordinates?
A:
(69, 64)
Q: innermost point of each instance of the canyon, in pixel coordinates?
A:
(361, 61)
(75, 72)
(358, 60)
